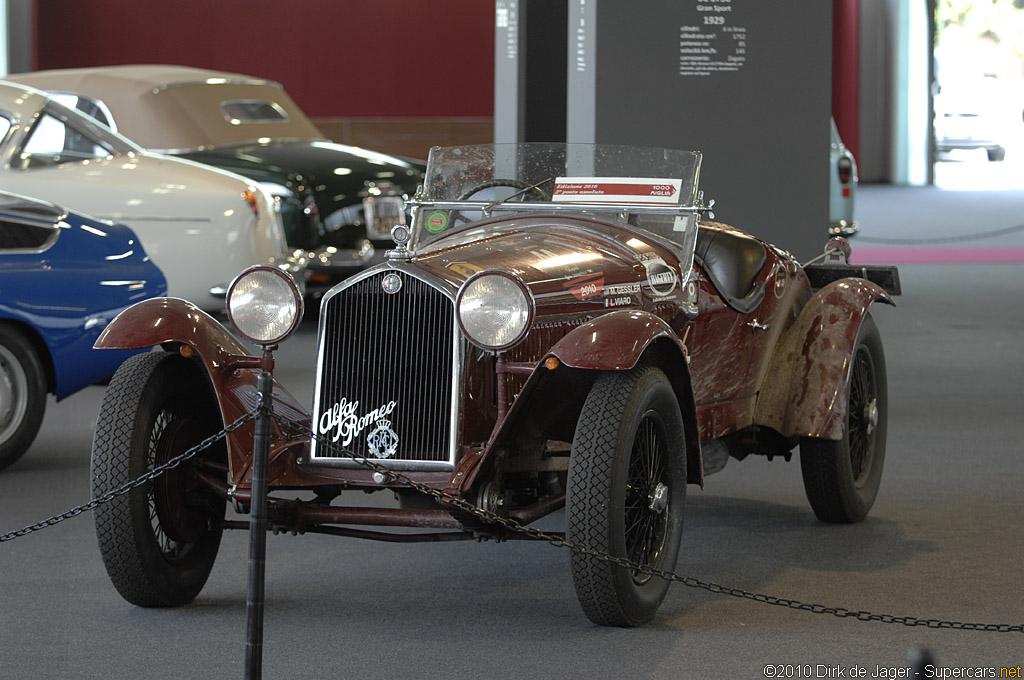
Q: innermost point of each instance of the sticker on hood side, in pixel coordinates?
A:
(661, 279)
(466, 269)
(586, 286)
(620, 295)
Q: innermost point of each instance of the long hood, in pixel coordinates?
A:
(147, 186)
(193, 220)
(563, 261)
(335, 170)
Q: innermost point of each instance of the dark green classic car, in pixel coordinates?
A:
(336, 201)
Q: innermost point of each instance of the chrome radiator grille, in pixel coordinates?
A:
(386, 373)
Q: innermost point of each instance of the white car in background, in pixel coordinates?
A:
(200, 225)
(842, 187)
(971, 115)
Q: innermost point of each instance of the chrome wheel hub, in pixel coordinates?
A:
(659, 498)
(871, 415)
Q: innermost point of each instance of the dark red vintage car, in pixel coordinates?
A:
(561, 327)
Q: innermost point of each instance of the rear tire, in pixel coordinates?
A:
(22, 395)
(842, 477)
(156, 541)
(626, 492)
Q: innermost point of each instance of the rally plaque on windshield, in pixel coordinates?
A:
(657, 191)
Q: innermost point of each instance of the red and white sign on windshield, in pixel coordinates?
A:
(616, 190)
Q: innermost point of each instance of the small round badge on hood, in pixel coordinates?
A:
(391, 283)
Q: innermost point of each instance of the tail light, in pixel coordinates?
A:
(845, 170)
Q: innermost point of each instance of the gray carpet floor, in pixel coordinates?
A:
(944, 540)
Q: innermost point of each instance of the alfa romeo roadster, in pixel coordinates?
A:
(560, 326)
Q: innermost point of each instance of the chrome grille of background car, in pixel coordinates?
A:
(382, 213)
(377, 348)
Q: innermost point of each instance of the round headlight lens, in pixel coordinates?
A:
(264, 304)
(495, 309)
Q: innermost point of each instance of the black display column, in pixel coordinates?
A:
(530, 70)
(747, 82)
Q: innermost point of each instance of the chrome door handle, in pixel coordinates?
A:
(757, 326)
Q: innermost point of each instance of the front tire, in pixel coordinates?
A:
(22, 395)
(157, 541)
(842, 477)
(625, 496)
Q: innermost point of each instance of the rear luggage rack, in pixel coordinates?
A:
(823, 273)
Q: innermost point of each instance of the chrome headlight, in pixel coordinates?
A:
(494, 309)
(264, 304)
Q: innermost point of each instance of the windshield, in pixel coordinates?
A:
(653, 189)
(61, 135)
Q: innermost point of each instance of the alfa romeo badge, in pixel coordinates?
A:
(391, 284)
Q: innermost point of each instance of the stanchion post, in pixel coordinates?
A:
(258, 530)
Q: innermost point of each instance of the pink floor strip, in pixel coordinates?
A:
(934, 255)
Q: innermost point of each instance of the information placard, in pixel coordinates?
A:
(745, 82)
(715, 43)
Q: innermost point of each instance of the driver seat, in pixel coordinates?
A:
(732, 261)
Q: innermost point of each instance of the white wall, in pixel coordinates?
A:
(895, 127)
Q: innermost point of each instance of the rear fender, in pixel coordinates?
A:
(228, 365)
(555, 397)
(805, 391)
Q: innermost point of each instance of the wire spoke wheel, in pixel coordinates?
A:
(842, 477)
(863, 415)
(625, 496)
(646, 497)
(158, 542)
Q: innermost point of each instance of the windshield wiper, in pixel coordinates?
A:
(494, 204)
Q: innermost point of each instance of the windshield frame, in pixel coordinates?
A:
(450, 170)
(96, 133)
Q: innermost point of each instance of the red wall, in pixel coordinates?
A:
(846, 72)
(336, 58)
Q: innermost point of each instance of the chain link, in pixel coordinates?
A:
(688, 581)
(941, 240)
(128, 486)
(512, 525)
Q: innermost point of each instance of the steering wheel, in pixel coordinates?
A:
(528, 189)
(510, 183)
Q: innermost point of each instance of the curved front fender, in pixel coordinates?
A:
(613, 342)
(807, 381)
(169, 320)
(160, 320)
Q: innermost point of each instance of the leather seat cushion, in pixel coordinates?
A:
(731, 260)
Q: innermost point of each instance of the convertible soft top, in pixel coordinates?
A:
(168, 107)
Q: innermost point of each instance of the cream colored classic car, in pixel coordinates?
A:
(200, 225)
(338, 202)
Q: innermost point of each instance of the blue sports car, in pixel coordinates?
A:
(63, 277)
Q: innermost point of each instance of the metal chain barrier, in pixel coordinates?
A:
(512, 525)
(941, 240)
(688, 581)
(128, 486)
